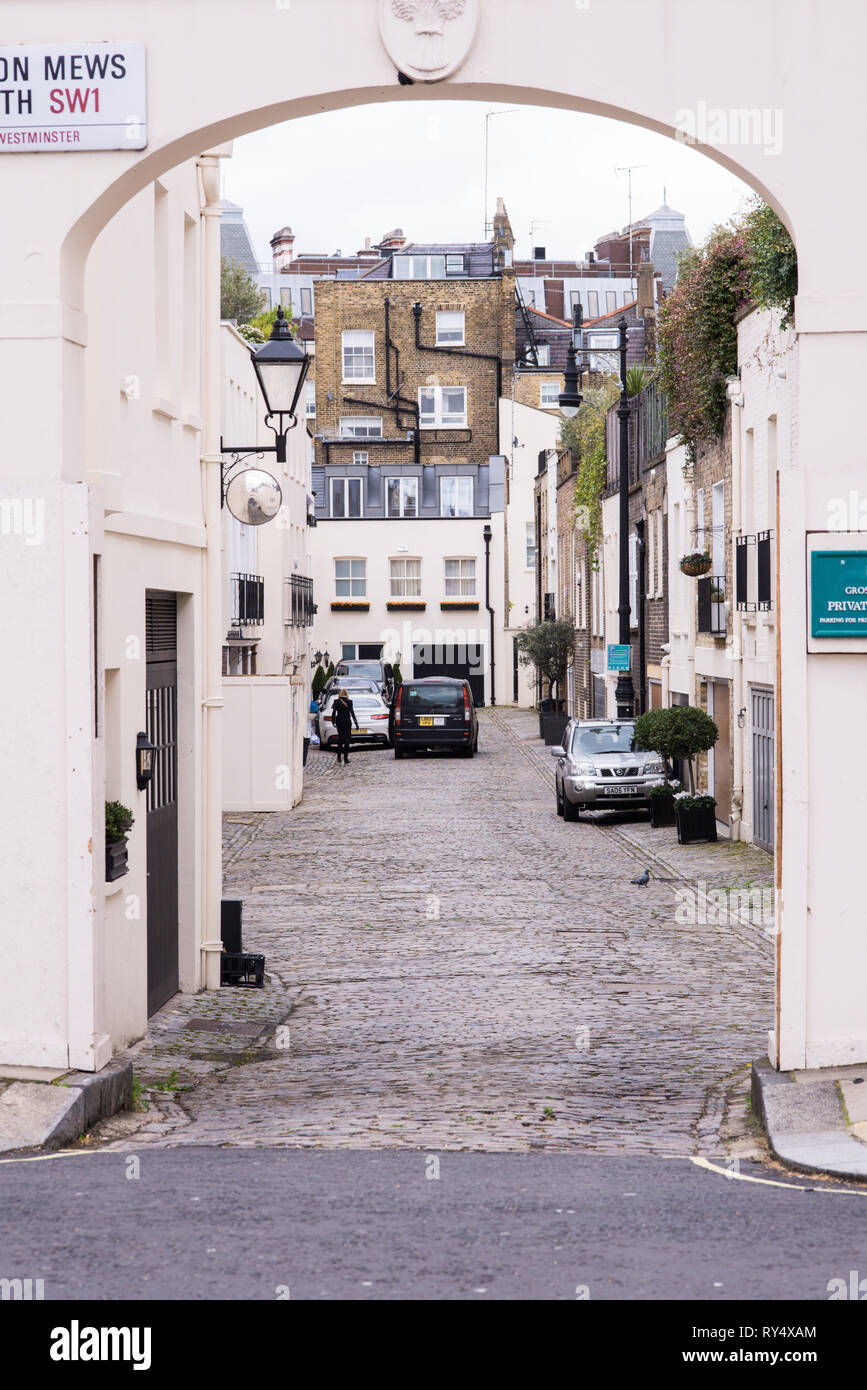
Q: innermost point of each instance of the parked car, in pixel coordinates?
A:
(379, 671)
(349, 683)
(598, 765)
(435, 712)
(371, 711)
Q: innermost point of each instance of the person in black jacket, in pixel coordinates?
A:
(343, 715)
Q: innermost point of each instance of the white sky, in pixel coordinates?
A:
(339, 177)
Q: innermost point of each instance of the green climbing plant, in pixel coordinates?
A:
(584, 434)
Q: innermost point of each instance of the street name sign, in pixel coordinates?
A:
(838, 593)
(72, 96)
(619, 657)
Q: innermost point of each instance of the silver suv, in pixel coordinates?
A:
(598, 765)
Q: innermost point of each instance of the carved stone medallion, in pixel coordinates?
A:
(428, 40)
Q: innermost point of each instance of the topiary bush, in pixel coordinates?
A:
(119, 820)
(682, 732)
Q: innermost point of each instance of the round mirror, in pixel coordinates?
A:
(254, 497)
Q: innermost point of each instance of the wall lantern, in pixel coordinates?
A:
(281, 366)
(570, 398)
(144, 761)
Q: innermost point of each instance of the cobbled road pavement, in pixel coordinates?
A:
(451, 966)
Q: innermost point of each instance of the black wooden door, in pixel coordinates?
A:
(162, 797)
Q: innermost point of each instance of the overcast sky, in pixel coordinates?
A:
(346, 175)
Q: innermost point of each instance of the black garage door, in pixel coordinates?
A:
(463, 662)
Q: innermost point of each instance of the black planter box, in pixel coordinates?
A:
(696, 824)
(553, 728)
(661, 811)
(116, 861)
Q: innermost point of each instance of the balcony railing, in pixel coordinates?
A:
(300, 607)
(248, 600)
(712, 608)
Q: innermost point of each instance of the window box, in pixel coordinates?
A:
(458, 603)
(116, 860)
(406, 605)
(344, 603)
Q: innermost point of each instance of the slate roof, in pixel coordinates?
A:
(235, 241)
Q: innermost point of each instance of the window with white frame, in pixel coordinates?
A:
(454, 264)
(574, 301)
(359, 363)
(307, 301)
(633, 580)
(543, 354)
(419, 267)
(401, 496)
(350, 578)
(451, 326)
(442, 407)
(346, 497)
(610, 301)
(360, 458)
(404, 578)
(456, 496)
(660, 553)
(530, 546)
(460, 577)
(549, 394)
(311, 398)
(651, 555)
(361, 427)
(592, 304)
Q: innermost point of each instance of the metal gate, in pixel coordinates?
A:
(763, 767)
(161, 645)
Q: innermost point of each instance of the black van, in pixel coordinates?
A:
(436, 712)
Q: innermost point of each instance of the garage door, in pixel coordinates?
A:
(462, 662)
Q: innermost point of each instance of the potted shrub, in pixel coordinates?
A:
(662, 804)
(696, 818)
(549, 647)
(119, 820)
(696, 563)
(682, 732)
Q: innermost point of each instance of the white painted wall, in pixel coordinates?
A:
(62, 200)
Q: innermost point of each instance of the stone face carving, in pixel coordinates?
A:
(428, 40)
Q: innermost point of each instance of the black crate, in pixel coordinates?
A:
(242, 968)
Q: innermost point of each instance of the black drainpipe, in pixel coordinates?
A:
(461, 352)
(487, 533)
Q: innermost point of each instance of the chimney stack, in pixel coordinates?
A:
(282, 249)
(393, 240)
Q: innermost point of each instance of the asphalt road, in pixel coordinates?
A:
(249, 1224)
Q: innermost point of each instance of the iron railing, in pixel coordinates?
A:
(248, 599)
(300, 607)
(712, 604)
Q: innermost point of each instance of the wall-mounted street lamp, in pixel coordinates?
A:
(281, 365)
(570, 398)
(144, 761)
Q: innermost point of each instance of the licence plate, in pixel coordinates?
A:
(427, 720)
(620, 791)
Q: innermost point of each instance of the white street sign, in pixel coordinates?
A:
(72, 96)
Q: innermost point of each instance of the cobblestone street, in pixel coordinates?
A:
(465, 970)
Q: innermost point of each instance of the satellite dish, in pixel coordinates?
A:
(254, 497)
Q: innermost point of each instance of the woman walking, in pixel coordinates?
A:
(343, 715)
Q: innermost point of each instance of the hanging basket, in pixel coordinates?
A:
(695, 567)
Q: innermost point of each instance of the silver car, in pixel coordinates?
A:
(599, 766)
(371, 711)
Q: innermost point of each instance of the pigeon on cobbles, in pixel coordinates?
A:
(643, 879)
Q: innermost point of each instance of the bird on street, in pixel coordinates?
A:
(643, 879)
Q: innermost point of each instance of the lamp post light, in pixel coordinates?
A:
(570, 397)
(624, 693)
(281, 366)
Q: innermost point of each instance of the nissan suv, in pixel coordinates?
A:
(599, 766)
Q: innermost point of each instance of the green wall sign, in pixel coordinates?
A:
(619, 657)
(838, 605)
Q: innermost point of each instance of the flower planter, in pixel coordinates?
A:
(695, 824)
(467, 605)
(661, 811)
(553, 728)
(353, 607)
(116, 861)
(696, 568)
(408, 607)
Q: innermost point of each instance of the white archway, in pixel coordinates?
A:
(215, 72)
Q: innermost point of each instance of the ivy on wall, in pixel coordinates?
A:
(585, 436)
